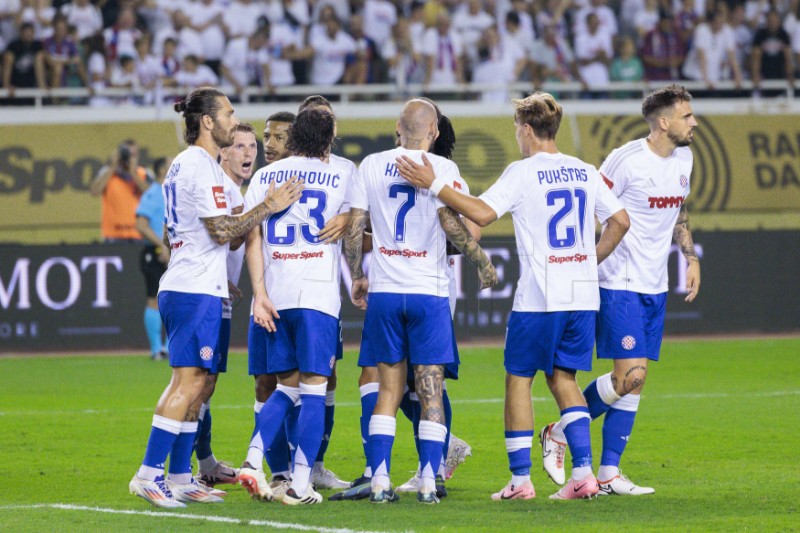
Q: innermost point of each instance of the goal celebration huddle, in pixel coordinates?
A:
(310, 219)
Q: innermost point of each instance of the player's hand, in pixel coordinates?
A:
(488, 276)
(692, 280)
(264, 313)
(358, 294)
(235, 292)
(277, 200)
(163, 257)
(334, 229)
(414, 173)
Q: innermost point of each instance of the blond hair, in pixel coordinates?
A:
(541, 112)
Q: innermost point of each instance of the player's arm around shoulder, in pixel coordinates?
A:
(458, 234)
(682, 236)
(354, 255)
(226, 228)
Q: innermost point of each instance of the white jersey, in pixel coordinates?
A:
(461, 186)
(235, 257)
(652, 189)
(194, 189)
(553, 199)
(407, 240)
(300, 272)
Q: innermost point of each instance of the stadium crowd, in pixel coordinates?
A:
(146, 44)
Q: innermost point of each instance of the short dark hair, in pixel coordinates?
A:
(661, 99)
(311, 134)
(281, 116)
(201, 101)
(315, 100)
(445, 143)
(244, 127)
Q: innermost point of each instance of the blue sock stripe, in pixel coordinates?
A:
(575, 409)
(516, 434)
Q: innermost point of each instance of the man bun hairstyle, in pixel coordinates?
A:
(201, 101)
(661, 99)
(311, 134)
(541, 112)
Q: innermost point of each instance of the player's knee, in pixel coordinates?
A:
(369, 374)
(631, 380)
(265, 386)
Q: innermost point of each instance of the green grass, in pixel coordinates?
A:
(717, 436)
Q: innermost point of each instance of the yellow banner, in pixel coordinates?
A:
(742, 164)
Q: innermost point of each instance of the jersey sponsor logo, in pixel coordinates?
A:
(284, 256)
(665, 202)
(403, 253)
(577, 258)
(684, 181)
(206, 353)
(628, 342)
(219, 196)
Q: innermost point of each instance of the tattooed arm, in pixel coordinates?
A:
(353, 244)
(458, 234)
(683, 238)
(226, 228)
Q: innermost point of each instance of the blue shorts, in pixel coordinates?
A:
(193, 324)
(340, 346)
(223, 343)
(256, 349)
(304, 340)
(541, 341)
(630, 324)
(416, 327)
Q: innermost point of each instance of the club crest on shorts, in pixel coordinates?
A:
(333, 361)
(206, 353)
(684, 181)
(628, 342)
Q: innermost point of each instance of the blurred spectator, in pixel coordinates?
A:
(23, 63)
(552, 59)
(699, 7)
(470, 22)
(188, 41)
(416, 24)
(168, 61)
(594, 50)
(379, 18)
(84, 16)
(512, 31)
(121, 37)
(755, 13)
(499, 61)
(40, 13)
(124, 76)
(742, 36)
(285, 45)
(442, 50)
(240, 18)
(95, 51)
(520, 7)
(246, 62)
(61, 55)
(606, 19)
(362, 63)
(628, 11)
(712, 57)
(341, 8)
(772, 54)
(194, 74)
(403, 61)
(626, 66)
(331, 49)
(9, 10)
(121, 183)
(552, 14)
(687, 20)
(205, 17)
(663, 51)
(646, 19)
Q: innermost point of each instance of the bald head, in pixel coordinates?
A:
(417, 125)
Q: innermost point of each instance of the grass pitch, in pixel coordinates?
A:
(716, 435)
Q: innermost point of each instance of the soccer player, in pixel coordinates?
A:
(237, 161)
(408, 318)
(276, 133)
(298, 303)
(198, 229)
(650, 177)
(552, 198)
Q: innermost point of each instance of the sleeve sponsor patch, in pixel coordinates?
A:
(219, 196)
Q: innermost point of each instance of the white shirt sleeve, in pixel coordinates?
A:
(209, 196)
(506, 194)
(606, 204)
(357, 190)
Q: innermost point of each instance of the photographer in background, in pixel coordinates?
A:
(121, 183)
(155, 256)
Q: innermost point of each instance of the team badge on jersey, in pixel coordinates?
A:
(206, 353)
(684, 181)
(628, 342)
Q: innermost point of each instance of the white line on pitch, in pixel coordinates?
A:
(676, 396)
(163, 514)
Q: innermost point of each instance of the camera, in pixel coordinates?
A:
(124, 154)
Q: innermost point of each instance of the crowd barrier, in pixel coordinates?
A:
(91, 297)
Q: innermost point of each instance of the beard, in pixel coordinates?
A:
(680, 141)
(221, 137)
